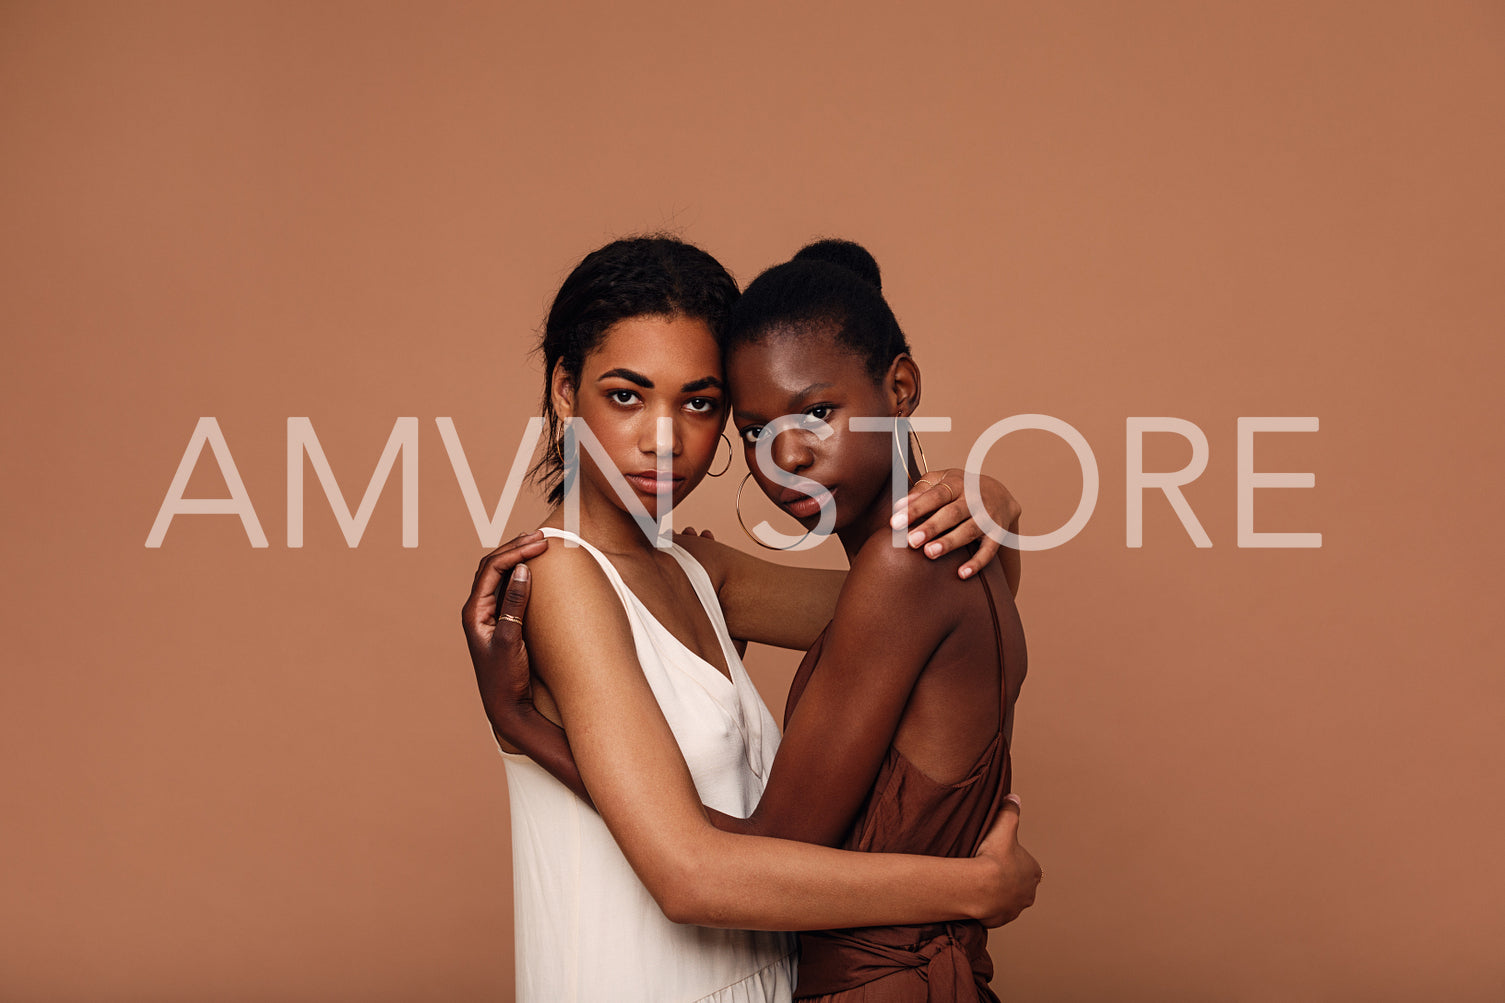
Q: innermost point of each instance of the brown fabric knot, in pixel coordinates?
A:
(951, 958)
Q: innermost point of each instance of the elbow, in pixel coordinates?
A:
(682, 906)
(691, 872)
(688, 893)
(684, 899)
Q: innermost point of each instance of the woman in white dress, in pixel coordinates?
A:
(631, 652)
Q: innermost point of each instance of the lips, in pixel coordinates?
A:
(800, 505)
(648, 482)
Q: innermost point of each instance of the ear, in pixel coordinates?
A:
(902, 381)
(562, 391)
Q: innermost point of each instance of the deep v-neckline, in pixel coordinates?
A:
(694, 656)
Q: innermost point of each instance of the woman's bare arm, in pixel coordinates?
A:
(494, 633)
(788, 607)
(940, 521)
(848, 712)
(582, 647)
(894, 611)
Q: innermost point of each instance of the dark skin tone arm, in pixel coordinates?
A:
(939, 522)
(847, 715)
(851, 707)
(1007, 872)
(494, 632)
(787, 607)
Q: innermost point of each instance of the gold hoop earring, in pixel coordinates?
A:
(919, 449)
(728, 458)
(737, 507)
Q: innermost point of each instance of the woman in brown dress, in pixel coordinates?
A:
(908, 694)
(896, 733)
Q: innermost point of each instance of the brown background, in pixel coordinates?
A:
(237, 774)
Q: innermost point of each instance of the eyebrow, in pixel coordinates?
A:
(798, 398)
(704, 383)
(628, 375)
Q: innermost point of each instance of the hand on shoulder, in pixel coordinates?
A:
(881, 561)
(712, 554)
(572, 599)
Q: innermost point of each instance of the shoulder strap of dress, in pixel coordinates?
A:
(700, 581)
(611, 572)
(1003, 672)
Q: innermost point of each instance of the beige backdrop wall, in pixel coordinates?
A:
(234, 773)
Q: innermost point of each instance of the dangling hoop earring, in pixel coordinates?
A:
(737, 507)
(728, 458)
(919, 449)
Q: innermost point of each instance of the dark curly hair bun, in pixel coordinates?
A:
(848, 254)
(829, 288)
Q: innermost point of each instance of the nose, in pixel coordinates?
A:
(792, 450)
(660, 433)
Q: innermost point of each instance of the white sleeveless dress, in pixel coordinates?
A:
(587, 928)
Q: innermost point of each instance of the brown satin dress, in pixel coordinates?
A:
(908, 812)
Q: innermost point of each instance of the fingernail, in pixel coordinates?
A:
(934, 550)
(966, 572)
(898, 521)
(1014, 798)
(916, 538)
(520, 573)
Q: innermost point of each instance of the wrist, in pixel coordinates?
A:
(512, 721)
(984, 888)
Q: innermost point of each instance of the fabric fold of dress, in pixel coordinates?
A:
(587, 929)
(910, 812)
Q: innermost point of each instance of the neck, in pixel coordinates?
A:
(604, 523)
(874, 519)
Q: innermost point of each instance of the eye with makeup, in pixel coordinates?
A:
(701, 405)
(623, 397)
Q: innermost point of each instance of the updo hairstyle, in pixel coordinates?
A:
(829, 287)
(655, 276)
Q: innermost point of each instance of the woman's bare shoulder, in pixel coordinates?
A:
(912, 587)
(882, 562)
(569, 591)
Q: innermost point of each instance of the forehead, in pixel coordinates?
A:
(775, 369)
(665, 345)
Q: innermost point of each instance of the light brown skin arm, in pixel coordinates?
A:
(582, 648)
(1007, 873)
(788, 607)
